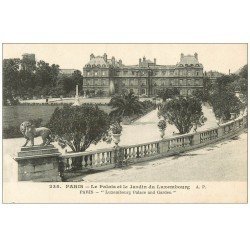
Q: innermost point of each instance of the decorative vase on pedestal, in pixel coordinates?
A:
(162, 133)
(117, 139)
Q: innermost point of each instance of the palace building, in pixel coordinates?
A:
(146, 78)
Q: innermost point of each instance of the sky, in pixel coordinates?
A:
(219, 57)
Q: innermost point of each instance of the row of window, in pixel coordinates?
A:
(161, 82)
(105, 66)
(168, 84)
(96, 73)
(189, 65)
(93, 66)
(155, 73)
(164, 82)
(96, 82)
(156, 91)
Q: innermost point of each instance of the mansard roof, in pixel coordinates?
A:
(189, 60)
(98, 60)
(103, 61)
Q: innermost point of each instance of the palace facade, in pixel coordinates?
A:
(146, 78)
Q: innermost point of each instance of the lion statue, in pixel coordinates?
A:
(30, 132)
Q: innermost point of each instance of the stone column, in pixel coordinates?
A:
(118, 156)
(38, 163)
(76, 103)
(220, 132)
(196, 139)
(163, 146)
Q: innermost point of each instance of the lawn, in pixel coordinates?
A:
(15, 115)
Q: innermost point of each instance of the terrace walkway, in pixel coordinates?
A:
(224, 161)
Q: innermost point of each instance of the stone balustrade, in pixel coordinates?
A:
(104, 158)
(126, 155)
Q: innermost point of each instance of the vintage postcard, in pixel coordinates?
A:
(124, 123)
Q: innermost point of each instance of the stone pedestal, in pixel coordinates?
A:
(38, 163)
(77, 102)
(196, 139)
(220, 132)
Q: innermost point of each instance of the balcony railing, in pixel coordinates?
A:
(126, 155)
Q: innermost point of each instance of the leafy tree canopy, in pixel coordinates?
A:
(125, 105)
(79, 126)
(168, 93)
(11, 80)
(223, 98)
(183, 112)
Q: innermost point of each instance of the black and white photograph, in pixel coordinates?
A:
(171, 114)
(124, 125)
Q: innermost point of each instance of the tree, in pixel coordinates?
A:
(244, 72)
(10, 80)
(46, 76)
(168, 93)
(125, 105)
(198, 94)
(204, 94)
(77, 78)
(183, 112)
(243, 83)
(78, 127)
(223, 98)
(100, 93)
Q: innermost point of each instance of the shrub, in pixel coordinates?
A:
(184, 113)
(12, 132)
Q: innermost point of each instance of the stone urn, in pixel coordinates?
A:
(162, 126)
(162, 133)
(117, 138)
(126, 120)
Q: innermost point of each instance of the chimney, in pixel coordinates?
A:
(196, 55)
(113, 60)
(139, 62)
(182, 55)
(120, 62)
(144, 59)
(92, 56)
(105, 57)
(155, 61)
(229, 72)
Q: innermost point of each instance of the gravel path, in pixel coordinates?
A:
(224, 161)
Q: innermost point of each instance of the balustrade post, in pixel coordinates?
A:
(118, 156)
(196, 139)
(163, 146)
(220, 132)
